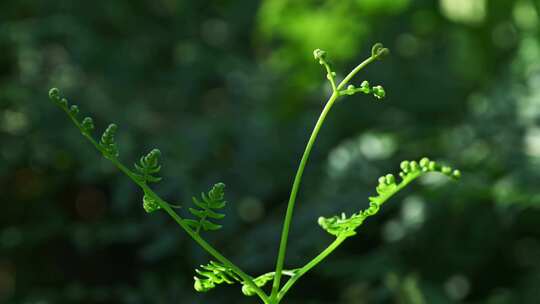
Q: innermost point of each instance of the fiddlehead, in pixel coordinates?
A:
(378, 51)
(320, 55)
(87, 125)
(148, 166)
(108, 142)
(343, 226)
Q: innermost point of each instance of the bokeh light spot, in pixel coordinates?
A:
(464, 11)
(250, 209)
(457, 287)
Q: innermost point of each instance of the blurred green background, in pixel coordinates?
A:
(229, 91)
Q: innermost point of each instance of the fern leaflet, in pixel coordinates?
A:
(148, 166)
(214, 200)
(214, 274)
(343, 226)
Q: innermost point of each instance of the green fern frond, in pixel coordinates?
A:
(148, 166)
(145, 170)
(343, 226)
(54, 95)
(108, 142)
(214, 274)
(214, 200)
(88, 125)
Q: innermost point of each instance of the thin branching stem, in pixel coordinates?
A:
(294, 192)
(247, 279)
(355, 71)
(337, 242)
(299, 173)
(300, 272)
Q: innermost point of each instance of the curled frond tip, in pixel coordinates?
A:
(387, 186)
(378, 51)
(148, 166)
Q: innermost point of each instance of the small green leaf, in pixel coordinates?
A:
(88, 125)
(365, 87)
(192, 223)
(208, 204)
(108, 142)
(212, 274)
(54, 94)
(74, 110)
(378, 92)
(207, 225)
(148, 166)
(149, 204)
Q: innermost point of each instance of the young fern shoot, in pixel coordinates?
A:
(206, 211)
(378, 51)
(143, 174)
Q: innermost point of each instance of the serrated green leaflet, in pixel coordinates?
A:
(208, 204)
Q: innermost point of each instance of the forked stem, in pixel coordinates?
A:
(275, 294)
(294, 192)
(248, 280)
(300, 272)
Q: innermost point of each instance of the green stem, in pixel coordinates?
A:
(337, 242)
(294, 192)
(300, 272)
(357, 69)
(330, 76)
(248, 280)
(198, 230)
(299, 173)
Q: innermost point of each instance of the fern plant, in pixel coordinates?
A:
(206, 208)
